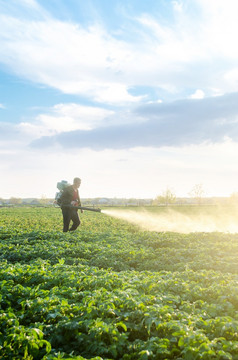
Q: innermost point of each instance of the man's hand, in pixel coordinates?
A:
(74, 203)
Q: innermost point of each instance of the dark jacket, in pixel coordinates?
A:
(68, 196)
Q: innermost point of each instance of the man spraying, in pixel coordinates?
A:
(70, 201)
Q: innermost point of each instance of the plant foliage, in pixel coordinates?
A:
(112, 291)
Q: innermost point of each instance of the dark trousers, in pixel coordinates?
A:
(68, 215)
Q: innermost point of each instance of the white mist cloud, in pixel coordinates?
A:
(218, 220)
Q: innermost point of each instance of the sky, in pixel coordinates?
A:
(134, 97)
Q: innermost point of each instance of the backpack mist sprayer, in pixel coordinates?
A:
(61, 186)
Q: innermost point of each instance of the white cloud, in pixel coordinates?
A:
(116, 94)
(65, 117)
(90, 62)
(231, 78)
(191, 121)
(199, 94)
(2, 106)
(220, 27)
(80, 61)
(191, 52)
(178, 5)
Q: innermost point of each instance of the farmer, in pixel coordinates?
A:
(70, 199)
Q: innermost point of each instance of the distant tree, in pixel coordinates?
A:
(95, 201)
(43, 200)
(233, 199)
(197, 193)
(87, 201)
(132, 201)
(15, 201)
(167, 197)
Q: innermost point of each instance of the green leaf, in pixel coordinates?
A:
(121, 325)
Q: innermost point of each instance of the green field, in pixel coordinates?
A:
(112, 290)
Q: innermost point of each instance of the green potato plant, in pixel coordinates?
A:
(113, 291)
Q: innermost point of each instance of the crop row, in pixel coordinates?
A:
(127, 315)
(109, 243)
(112, 291)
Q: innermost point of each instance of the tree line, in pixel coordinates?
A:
(167, 197)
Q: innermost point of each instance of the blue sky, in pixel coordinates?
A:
(132, 96)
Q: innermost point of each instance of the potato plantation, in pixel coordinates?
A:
(113, 291)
